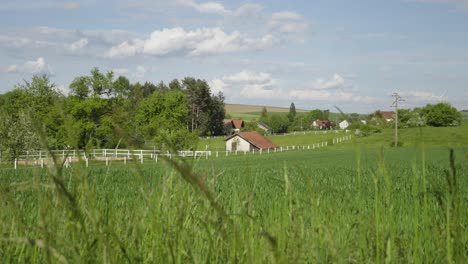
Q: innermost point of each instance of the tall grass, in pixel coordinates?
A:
(354, 206)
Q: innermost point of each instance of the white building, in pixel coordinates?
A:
(247, 141)
(344, 124)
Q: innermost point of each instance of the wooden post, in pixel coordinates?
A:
(125, 160)
(107, 161)
(86, 160)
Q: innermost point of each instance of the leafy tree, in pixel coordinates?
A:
(316, 114)
(205, 112)
(16, 135)
(278, 123)
(175, 85)
(264, 114)
(162, 111)
(292, 112)
(441, 114)
(122, 87)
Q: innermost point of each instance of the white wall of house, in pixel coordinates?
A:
(242, 144)
(344, 124)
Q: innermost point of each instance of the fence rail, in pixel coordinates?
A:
(42, 158)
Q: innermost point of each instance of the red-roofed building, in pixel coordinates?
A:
(247, 141)
(233, 125)
(388, 115)
(322, 124)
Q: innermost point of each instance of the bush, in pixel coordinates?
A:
(441, 114)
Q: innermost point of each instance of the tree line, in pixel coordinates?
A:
(102, 111)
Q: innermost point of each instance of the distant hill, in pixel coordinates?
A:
(240, 108)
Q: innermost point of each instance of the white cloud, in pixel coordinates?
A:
(248, 84)
(420, 96)
(137, 74)
(36, 66)
(207, 7)
(217, 85)
(78, 45)
(336, 81)
(65, 90)
(71, 6)
(125, 49)
(15, 42)
(120, 71)
(334, 89)
(287, 22)
(140, 72)
(248, 77)
(202, 41)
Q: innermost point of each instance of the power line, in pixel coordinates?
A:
(395, 104)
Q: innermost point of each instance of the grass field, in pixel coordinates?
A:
(240, 108)
(354, 202)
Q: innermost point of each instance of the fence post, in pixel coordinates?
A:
(107, 161)
(125, 160)
(216, 153)
(141, 157)
(86, 160)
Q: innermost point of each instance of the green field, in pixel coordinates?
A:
(354, 202)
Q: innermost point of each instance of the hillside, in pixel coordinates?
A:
(240, 108)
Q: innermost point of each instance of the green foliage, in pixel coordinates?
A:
(333, 206)
(292, 113)
(441, 114)
(278, 123)
(205, 112)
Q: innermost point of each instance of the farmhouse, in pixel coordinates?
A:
(247, 141)
(388, 115)
(344, 124)
(233, 125)
(264, 127)
(322, 124)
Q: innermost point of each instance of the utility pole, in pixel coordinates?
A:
(395, 104)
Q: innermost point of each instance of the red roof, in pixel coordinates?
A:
(256, 139)
(238, 123)
(387, 114)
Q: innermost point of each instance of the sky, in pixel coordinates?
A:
(317, 54)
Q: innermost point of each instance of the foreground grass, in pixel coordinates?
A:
(342, 205)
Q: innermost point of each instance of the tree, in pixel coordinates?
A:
(316, 114)
(205, 112)
(292, 112)
(441, 114)
(264, 114)
(279, 123)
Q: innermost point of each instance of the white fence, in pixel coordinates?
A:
(42, 158)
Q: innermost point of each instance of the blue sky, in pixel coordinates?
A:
(317, 54)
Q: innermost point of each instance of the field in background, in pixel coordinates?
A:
(355, 202)
(409, 137)
(240, 108)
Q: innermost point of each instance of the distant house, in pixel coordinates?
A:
(388, 115)
(233, 125)
(247, 141)
(344, 124)
(264, 127)
(322, 124)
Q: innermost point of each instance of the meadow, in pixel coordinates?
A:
(356, 202)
